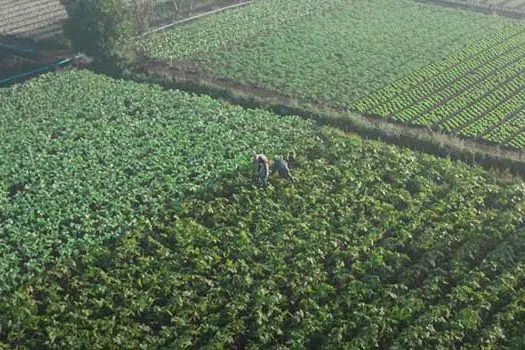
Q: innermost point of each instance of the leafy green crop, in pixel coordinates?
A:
(330, 57)
(84, 158)
(232, 27)
(129, 220)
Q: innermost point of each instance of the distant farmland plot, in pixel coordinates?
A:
(456, 71)
(31, 18)
(39, 19)
(476, 92)
(328, 52)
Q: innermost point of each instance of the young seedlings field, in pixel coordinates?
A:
(129, 219)
(477, 92)
(329, 52)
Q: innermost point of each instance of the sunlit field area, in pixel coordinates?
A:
(132, 215)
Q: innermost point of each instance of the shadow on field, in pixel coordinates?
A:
(21, 55)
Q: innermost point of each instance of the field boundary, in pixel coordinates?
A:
(189, 78)
(479, 7)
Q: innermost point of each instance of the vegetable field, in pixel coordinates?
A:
(86, 158)
(129, 220)
(330, 52)
(476, 92)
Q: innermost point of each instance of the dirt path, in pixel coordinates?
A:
(484, 7)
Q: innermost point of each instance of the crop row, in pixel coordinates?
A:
(485, 105)
(470, 97)
(444, 79)
(504, 84)
(420, 76)
(497, 115)
(507, 130)
(462, 91)
(517, 141)
(480, 97)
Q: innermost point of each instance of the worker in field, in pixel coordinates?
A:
(263, 168)
(281, 166)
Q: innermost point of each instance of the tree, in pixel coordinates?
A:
(141, 14)
(97, 27)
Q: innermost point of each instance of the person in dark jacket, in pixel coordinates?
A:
(281, 166)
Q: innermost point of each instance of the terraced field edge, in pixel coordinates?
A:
(487, 8)
(415, 138)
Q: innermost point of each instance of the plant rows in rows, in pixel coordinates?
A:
(486, 63)
(517, 141)
(420, 76)
(507, 109)
(465, 89)
(469, 98)
(481, 97)
(509, 129)
(485, 105)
